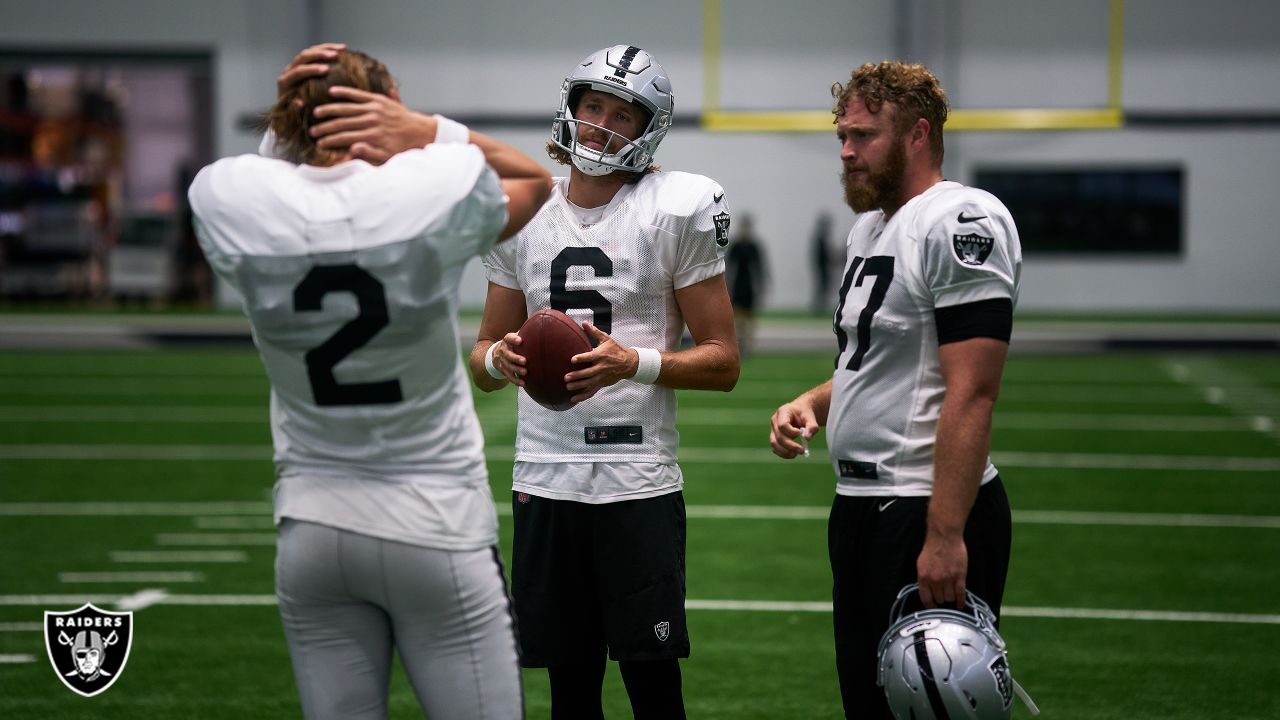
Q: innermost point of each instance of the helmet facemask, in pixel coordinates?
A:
(633, 75)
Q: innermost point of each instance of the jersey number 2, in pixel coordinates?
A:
(371, 299)
(564, 300)
(881, 267)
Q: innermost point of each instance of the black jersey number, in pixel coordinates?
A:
(881, 267)
(372, 301)
(564, 300)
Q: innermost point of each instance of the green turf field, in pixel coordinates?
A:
(1146, 566)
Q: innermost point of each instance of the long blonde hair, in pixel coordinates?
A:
(293, 114)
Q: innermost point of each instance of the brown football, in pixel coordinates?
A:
(548, 339)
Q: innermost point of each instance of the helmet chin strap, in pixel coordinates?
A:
(587, 167)
(1025, 698)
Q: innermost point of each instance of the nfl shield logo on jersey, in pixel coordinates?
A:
(88, 647)
(972, 249)
(662, 630)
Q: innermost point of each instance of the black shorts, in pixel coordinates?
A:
(874, 543)
(590, 578)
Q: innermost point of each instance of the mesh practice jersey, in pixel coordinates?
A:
(664, 233)
(349, 275)
(950, 245)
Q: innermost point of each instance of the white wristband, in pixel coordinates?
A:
(494, 372)
(649, 367)
(451, 131)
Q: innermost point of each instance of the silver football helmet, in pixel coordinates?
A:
(631, 74)
(945, 663)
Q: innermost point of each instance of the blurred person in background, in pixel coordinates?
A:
(748, 273)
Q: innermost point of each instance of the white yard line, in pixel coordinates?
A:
(216, 539)
(694, 604)
(142, 599)
(179, 556)
(262, 519)
(721, 455)
(131, 577)
(21, 627)
(1252, 401)
(16, 659)
(131, 509)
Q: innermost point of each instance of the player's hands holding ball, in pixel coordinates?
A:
(508, 360)
(607, 363)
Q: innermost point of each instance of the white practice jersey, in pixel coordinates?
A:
(950, 245)
(349, 275)
(666, 232)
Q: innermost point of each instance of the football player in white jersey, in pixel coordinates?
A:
(349, 274)
(635, 254)
(923, 325)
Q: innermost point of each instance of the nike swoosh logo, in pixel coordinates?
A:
(966, 218)
(717, 198)
(884, 505)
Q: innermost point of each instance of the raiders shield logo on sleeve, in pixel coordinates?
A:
(722, 228)
(88, 647)
(972, 249)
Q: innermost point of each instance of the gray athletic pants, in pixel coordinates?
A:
(347, 599)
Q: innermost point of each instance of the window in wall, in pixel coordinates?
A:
(96, 151)
(1092, 211)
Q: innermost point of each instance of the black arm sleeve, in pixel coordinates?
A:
(985, 318)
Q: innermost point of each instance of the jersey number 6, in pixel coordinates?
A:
(372, 301)
(564, 300)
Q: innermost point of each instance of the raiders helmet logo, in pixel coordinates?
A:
(972, 249)
(662, 630)
(722, 228)
(88, 647)
(1004, 681)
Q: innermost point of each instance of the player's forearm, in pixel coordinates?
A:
(508, 162)
(819, 400)
(710, 365)
(479, 373)
(960, 456)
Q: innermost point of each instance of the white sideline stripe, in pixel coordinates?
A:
(731, 512)
(183, 556)
(108, 414)
(1062, 517)
(255, 522)
(211, 539)
(1143, 615)
(16, 659)
(129, 577)
(142, 599)
(725, 455)
(1023, 421)
(21, 627)
(729, 605)
(135, 508)
(743, 417)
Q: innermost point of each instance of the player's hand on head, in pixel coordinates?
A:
(607, 364)
(373, 125)
(509, 362)
(788, 425)
(311, 62)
